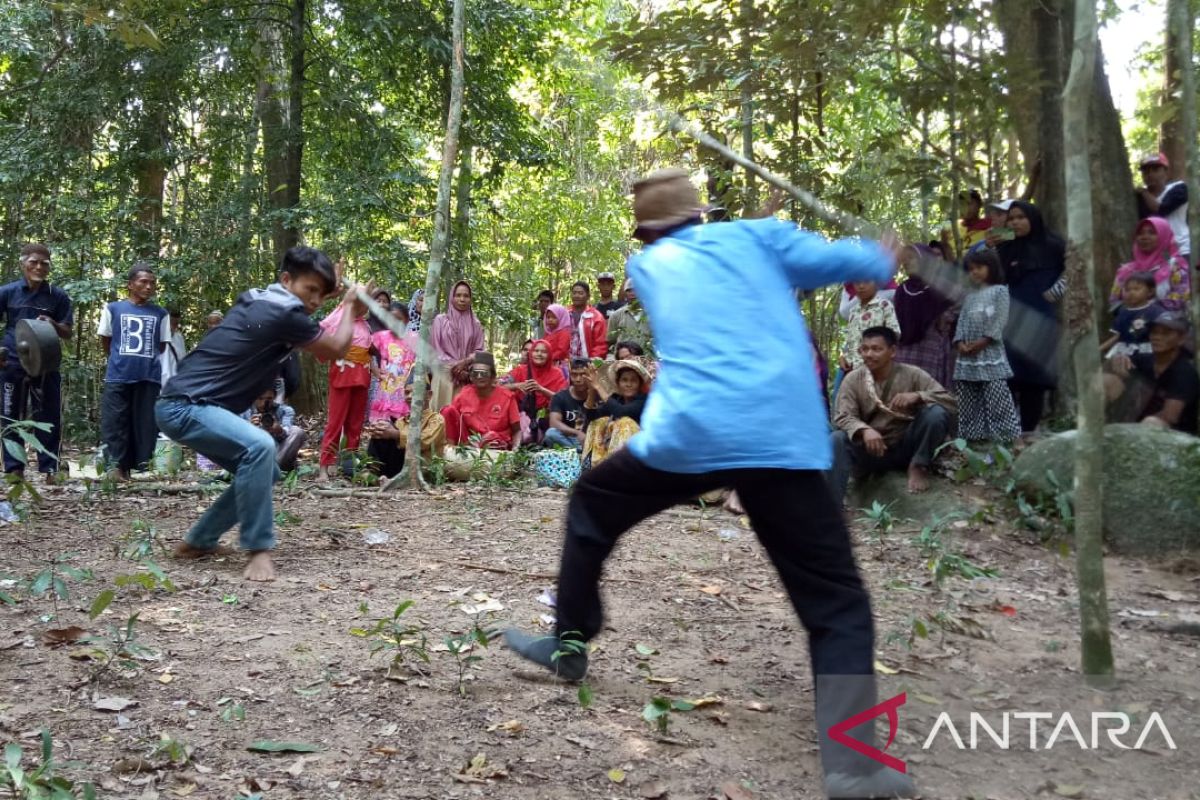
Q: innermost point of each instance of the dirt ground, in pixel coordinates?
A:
(694, 611)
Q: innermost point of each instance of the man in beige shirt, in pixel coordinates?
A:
(888, 416)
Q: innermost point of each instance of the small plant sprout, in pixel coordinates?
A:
(42, 781)
(657, 712)
(406, 642)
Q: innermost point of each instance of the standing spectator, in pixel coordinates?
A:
(557, 324)
(142, 331)
(32, 297)
(606, 282)
(545, 299)
(213, 319)
(1033, 264)
(985, 404)
(384, 298)
(973, 226)
(1158, 198)
(1156, 252)
(871, 311)
(457, 336)
(349, 381)
(629, 323)
(415, 305)
(589, 329)
(176, 346)
(923, 311)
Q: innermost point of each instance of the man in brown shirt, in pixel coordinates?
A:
(888, 416)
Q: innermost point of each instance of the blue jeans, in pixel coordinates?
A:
(247, 451)
(556, 438)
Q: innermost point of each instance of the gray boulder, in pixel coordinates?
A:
(944, 497)
(1151, 485)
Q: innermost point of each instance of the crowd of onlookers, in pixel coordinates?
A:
(965, 342)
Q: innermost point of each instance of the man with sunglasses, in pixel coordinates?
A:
(32, 297)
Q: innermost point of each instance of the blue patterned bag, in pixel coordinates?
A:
(556, 468)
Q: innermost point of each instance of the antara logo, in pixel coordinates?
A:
(1113, 724)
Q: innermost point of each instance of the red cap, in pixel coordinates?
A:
(1154, 160)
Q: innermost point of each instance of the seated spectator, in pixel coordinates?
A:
(1158, 388)
(568, 417)
(872, 311)
(889, 416)
(614, 418)
(628, 350)
(986, 411)
(629, 323)
(1130, 332)
(483, 414)
(535, 382)
(1155, 252)
(557, 323)
(279, 420)
(389, 437)
(924, 313)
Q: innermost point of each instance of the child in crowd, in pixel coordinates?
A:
(1156, 252)
(985, 405)
(557, 323)
(349, 383)
(872, 310)
(395, 356)
(1131, 325)
(389, 438)
(614, 418)
(628, 350)
(232, 366)
(131, 383)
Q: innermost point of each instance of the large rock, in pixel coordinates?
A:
(1151, 485)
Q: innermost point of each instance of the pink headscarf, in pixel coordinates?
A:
(1165, 262)
(456, 334)
(562, 315)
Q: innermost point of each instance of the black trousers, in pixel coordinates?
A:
(802, 529)
(127, 424)
(388, 453)
(1031, 403)
(41, 399)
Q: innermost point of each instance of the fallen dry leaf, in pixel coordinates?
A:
(56, 637)
(616, 775)
(480, 769)
(755, 705)
(112, 703)
(735, 791)
(131, 766)
(713, 590)
(512, 726)
(652, 790)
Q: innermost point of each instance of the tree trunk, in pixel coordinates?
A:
(1096, 649)
(1181, 19)
(461, 231)
(1112, 182)
(1172, 138)
(411, 474)
(281, 111)
(750, 198)
(151, 176)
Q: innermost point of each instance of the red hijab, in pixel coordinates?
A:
(547, 375)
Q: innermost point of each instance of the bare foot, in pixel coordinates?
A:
(323, 475)
(260, 568)
(918, 479)
(185, 550)
(733, 505)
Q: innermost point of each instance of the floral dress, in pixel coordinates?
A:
(878, 312)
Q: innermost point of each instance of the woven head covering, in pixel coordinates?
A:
(665, 198)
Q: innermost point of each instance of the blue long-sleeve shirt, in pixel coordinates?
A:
(737, 387)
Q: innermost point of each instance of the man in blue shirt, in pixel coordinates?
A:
(32, 297)
(736, 404)
(134, 333)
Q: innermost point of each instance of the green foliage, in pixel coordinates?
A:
(404, 641)
(942, 561)
(42, 782)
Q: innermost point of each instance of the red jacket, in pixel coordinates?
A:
(595, 332)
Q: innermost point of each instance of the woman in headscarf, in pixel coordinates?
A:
(535, 381)
(557, 324)
(414, 310)
(384, 298)
(456, 337)
(1033, 261)
(1156, 251)
(923, 309)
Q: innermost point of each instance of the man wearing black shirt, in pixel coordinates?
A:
(236, 362)
(568, 420)
(607, 282)
(1158, 388)
(32, 297)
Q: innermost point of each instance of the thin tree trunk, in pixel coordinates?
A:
(1172, 137)
(281, 111)
(750, 200)
(411, 474)
(1181, 19)
(1096, 650)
